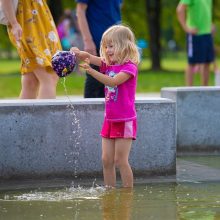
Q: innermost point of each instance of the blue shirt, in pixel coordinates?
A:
(101, 14)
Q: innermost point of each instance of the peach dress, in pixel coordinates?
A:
(40, 40)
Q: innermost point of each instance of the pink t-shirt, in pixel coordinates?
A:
(119, 100)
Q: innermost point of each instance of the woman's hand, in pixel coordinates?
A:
(10, 14)
(16, 31)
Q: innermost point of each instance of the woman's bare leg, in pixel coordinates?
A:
(29, 86)
(48, 83)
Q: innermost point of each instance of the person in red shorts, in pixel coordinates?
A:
(118, 72)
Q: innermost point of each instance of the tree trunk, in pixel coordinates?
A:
(56, 9)
(153, 9)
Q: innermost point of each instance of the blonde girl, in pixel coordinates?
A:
(118, 72)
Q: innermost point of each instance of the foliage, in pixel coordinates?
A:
(5, 44)
(134, 14)
(148, 81)
(69, 4)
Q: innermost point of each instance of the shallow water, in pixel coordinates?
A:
(186, 199)
(151, 201)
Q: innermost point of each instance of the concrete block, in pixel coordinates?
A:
(60, 138)
(198, 117)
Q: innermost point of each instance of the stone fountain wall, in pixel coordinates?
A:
(198, 118)
(60, 138)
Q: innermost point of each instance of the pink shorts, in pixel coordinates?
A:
(124, 129)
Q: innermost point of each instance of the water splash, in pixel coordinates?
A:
(69, 194)
(76, 134)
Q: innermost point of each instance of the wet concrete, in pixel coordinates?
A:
(193, 169)
(188, 171)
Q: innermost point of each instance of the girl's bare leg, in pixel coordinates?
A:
(29, 86)
(108, 153)
(122, 150)
(48, 83)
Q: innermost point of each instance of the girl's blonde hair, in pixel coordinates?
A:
(123, 40)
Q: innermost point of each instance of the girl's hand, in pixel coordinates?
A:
(86, 66)
(16, 31)
(75, 51)
(82, 55)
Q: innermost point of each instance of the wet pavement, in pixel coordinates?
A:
(192, 169)
(198, 169)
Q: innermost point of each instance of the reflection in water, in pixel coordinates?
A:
(155, 202)
(117, 204)
(199, 201)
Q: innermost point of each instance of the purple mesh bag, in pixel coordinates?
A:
(63, 63)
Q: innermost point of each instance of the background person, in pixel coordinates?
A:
(33, 32)
(195, 17)
(216, 69)
(68, 30)
(118, 65)
(94, 17)
(69, 33)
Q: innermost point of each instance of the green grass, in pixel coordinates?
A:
(148, 81)
(9, 66)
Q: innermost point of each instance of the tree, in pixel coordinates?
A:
(153, 9)
(56, 9)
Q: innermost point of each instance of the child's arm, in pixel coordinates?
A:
(106, 80)
(83, 55)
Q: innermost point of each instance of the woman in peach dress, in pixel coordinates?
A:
(33, 32)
